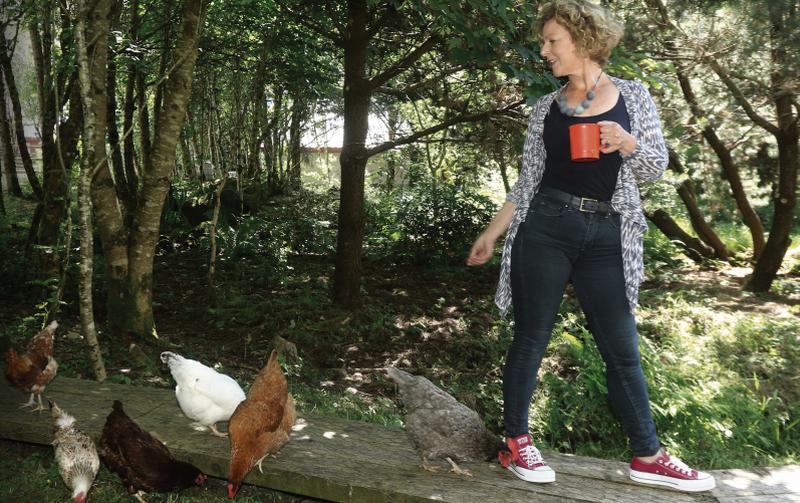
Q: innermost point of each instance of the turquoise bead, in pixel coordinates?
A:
(590, 95)
(579, 109)
(585, 104)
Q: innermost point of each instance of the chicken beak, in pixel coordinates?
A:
(233, 490)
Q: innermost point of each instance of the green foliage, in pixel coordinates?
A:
(306, 222)
(257, 241)
(14, 268)
(661, 255)
(346, 405)
(427, 223)
(571, 408)
(722, 396)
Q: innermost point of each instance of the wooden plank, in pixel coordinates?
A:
(349, 461)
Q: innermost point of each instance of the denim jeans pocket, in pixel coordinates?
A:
(615, 220)
(547, 207)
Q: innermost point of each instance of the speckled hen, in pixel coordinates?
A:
(75, 454)
(442, 428)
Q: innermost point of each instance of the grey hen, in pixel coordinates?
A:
(442, 428)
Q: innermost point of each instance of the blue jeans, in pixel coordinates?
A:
(557, 243)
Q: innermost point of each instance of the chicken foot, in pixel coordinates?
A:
(457, 469)
(32, 403)
(216, 432)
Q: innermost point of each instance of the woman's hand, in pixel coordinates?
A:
(482, 250)
(613, 137)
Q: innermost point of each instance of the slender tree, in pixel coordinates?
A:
(129, 251)
(8, 163)
(92, 24)
(16, 109)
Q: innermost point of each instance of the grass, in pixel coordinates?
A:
(29, 473)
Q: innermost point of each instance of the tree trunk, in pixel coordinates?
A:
(22, 147)
(92, 26)
(701, 227)
(9, 164)
(730, 170)
(784, 80)
(693, 247)
(129, 150)
(144, 125)
(189, 170)
(118, 165)
(392, 124)
(53, 175)
(107, 209)
(155, 184)
(295, 146)
(158, 95)
(353, 161)
(212, 238)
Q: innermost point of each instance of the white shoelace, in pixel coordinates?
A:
(679, 465)
(531, 455)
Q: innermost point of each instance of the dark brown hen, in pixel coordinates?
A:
(142, 462)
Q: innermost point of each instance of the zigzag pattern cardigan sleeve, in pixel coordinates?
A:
(646, 163)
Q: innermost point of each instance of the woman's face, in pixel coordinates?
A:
(559, 50)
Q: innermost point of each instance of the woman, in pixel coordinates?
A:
(581, 222)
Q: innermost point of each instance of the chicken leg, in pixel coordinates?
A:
(457, 469)
(32, 403)
(215, 431)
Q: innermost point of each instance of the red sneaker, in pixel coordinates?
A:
(671, 472)
(525, 461)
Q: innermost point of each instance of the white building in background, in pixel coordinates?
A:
(322, 146)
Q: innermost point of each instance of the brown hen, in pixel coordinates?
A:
(142, 462)
(32, 370)
(261, 424)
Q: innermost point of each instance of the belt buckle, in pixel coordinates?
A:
(583, 200)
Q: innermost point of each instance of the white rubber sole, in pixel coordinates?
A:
(705, 483)
(541, 475)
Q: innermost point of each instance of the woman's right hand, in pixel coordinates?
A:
(482, 250)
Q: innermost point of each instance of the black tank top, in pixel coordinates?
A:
(594, 179)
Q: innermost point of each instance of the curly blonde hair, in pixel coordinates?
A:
(594, 29)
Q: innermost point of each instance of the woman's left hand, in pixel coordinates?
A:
(613, 137)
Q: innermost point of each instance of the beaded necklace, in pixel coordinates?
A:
(584, 105)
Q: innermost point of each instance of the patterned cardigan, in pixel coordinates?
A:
(646, 163)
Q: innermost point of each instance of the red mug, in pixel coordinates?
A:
(584, 142)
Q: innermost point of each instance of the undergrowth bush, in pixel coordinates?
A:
(426, 223)
(725, 396)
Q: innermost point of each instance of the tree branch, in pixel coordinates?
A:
(377, 24)
(459, 119)
(414, 91)
(741, 99)
(402, 65)
(301, 18)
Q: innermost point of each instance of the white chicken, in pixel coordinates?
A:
(203, 394)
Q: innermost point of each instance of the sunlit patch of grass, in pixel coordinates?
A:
(348, 404)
